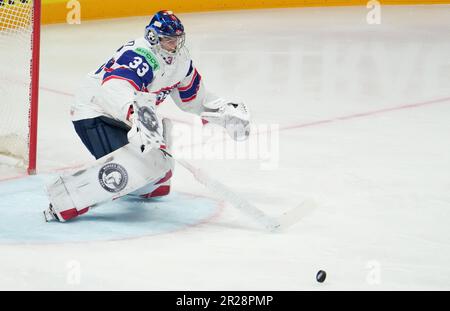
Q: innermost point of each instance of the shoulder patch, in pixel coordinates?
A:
(148, 55)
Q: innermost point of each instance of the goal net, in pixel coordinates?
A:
(19, 63)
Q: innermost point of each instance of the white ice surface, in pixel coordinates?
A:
(381, 180)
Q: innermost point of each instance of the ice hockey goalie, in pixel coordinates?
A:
(115, 116)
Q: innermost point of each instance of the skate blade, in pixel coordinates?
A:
(48, 216)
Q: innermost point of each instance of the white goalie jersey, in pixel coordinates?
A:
(127, 89)
(111, 89)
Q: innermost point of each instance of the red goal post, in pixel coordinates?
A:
(20, 22)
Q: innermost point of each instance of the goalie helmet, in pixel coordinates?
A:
(165, 33)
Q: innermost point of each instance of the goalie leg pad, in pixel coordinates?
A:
(158, 192)
(161, 188)
(72, 213)
(110, 177)
(158, 189)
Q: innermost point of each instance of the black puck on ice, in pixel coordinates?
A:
(321, 276)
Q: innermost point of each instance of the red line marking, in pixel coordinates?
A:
(200, 222)
(365, 114)
(56, 91)
(13, 177)
(332, 120)
(327, 121)
(283, 128)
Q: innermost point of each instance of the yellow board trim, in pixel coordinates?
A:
(55, 11)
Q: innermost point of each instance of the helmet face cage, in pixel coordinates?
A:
(163, 30)
(176, 41)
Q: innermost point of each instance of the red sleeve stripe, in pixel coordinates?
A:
(122, 78)
(168, 88)
(111, 69)
(187, 87)
(184, 100)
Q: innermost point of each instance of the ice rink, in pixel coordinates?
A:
(361, 123)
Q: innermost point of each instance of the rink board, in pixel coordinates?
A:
(23, 200)
(59, 11)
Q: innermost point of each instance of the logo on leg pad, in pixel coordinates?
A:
(113, 177)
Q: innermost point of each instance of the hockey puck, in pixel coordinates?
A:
(321, 276)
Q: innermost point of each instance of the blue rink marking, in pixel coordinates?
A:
(23, 200)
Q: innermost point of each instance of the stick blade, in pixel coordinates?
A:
(293, 216)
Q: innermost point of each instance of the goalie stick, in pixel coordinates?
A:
(272, 224)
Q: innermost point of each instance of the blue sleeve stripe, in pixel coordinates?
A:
(184, 100)
(189, 92)
(124, 74)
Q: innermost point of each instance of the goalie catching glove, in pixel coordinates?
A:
(234, 117)
(145, 132)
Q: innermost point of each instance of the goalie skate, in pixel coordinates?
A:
(50, 214)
